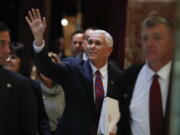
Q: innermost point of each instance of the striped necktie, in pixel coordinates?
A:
(99, 90)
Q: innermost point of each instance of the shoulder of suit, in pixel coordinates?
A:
(135, 67)
(14, 76)
(72, 59)
(132, 71)
(114, 66)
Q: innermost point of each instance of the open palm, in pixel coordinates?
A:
(36, 23)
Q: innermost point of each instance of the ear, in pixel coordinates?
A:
(110, 49)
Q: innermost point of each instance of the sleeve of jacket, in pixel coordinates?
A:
(55, 71)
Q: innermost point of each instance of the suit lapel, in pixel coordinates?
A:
(131, 77)
(168, 106)
(111, 78)
(88, 79)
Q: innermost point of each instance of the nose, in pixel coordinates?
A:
(150, 42)
(8, 49)
(77, 45)
(8, 61)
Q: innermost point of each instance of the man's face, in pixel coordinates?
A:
(98, 51)
(4, 46)
(78, 43)
(158, 44)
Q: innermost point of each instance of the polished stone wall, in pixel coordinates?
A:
(137, 11)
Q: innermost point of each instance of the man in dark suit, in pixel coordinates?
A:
(18, 111)
(139, 116)
(78, 78)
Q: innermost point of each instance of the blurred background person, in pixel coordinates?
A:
(53, 96)
(59, 44)
(77, 42)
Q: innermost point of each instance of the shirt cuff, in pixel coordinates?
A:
(38, 49)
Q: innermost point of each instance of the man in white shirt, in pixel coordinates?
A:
(84, 87)
(157, 38)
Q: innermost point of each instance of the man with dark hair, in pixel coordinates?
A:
(77, 42)
(144, 90)
(18, 115)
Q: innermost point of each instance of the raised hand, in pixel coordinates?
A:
(37, 25)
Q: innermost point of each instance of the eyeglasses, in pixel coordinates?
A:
(86, 37)
(13, 56)
(14, 45)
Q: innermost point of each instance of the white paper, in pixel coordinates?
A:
(110, 116)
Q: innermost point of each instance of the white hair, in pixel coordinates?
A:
(108, 37)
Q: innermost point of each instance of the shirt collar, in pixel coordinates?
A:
(163, 73)
(103, 70)
(148, 72)
(85, 57)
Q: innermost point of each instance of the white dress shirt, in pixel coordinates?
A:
(110, 109)
(139, 106)
(104, 77)
(85, 57)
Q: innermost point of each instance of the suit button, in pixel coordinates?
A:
(125, 95)
(112, 82)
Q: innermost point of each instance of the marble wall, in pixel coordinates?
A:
(137, 11)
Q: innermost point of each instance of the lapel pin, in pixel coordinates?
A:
(8, 85)
(125, 95)
(111, 82)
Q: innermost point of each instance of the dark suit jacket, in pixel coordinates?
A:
(127, 83)
(18, 113)
(124, 95)
(75, 76)
(80, 55)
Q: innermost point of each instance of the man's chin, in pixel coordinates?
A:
(92, 59)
